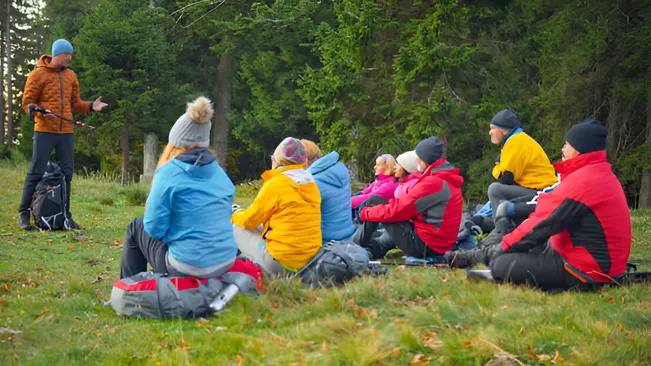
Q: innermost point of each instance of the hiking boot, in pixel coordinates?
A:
(24, 220)
(456, 259)
(72, 224)
(380, 245)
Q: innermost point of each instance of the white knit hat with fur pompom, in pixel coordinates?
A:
(193, 127)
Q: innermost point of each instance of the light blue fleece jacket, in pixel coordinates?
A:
(189, 209)
(333, 180)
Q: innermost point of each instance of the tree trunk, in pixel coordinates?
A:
(645, 186)
(223, 97)
(10, 115)
(124, 141)
(151, 3)
(150, 158)
(2, 95)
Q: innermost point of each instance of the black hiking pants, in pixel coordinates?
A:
(541, 267)
(42, 146)
(401, 235)
(139, 249)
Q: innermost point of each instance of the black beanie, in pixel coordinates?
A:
(430, 150)
(587, 136)
(506, 120)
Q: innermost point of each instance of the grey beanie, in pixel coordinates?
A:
(193, 127)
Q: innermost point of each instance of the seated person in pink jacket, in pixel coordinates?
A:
(384, 185)
(406, 173)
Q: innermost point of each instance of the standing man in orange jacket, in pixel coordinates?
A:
(54, 86)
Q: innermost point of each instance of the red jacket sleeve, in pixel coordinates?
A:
(553, 214)
(404, 208)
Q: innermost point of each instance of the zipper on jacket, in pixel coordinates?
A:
(62, 96)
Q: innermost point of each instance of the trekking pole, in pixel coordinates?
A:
(38, 109)
(412, 264)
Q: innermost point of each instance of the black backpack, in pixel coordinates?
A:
(49, 202)
(334, 265)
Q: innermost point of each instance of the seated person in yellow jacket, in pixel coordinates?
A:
(288, 207)
(522, 167)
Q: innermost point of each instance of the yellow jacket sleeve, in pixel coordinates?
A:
(260, 210)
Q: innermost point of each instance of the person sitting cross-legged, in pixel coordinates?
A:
(580, 232)
(281, 230)
(522, 167)
(425, 221)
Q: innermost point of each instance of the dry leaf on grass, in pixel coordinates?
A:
(419, 359)
(395, 352)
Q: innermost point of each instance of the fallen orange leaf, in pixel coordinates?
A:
(466, 344)
(611, 299)
(360, 313)
(530, 352)
(419, 359)
(543, 358)
(238, 358)
(395, 352)
(184, 345)
(557, 357)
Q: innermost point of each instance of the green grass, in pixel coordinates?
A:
(51, 313)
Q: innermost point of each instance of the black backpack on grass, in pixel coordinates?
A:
(49, 202)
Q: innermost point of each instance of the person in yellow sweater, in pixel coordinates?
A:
(281, 230)
(522, 167)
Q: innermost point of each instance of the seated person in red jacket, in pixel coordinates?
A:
(581, 231)
(425, 221)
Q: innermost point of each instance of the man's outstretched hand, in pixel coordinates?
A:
(98, 105)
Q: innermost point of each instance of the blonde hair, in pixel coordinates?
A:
(390, 161)
(312, 150)
(170, 152)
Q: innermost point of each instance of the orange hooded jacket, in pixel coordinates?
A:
(56, 90)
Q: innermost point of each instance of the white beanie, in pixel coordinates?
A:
(193, 127)
(408, 161)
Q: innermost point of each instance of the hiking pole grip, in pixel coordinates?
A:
(32, 108)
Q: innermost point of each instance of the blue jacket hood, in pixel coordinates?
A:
(197, 163)
(321, 170)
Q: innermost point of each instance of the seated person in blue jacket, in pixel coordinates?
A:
(333, 180)
(186, 230)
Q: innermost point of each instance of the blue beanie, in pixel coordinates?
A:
(61, 46)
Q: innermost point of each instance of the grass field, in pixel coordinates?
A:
(51, 292)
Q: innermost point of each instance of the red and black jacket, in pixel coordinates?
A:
(586, 219)
(433, 204)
